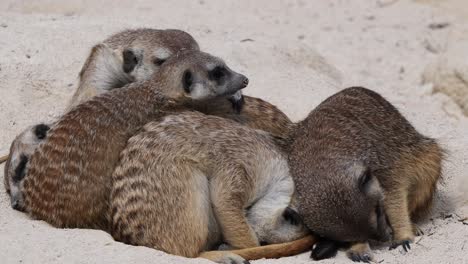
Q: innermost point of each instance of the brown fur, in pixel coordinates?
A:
(355, 133)
(258, 114)
(68, 182)
(173, 172)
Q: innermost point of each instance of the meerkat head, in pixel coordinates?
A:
(348, 205)
(199, 76)
(151, 48)
(21, 150)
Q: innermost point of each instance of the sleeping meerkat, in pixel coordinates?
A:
(362, 171)
(68, 177)
(128, 56)
(189, 181)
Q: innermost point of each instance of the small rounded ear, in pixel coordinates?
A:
(187, 81)
(130, 60)
(364, 180)
(41, 131)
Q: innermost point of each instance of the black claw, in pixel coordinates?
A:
(366, 258)
(246, 262)
(354, 258)
(404, 244)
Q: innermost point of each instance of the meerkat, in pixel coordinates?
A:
(189, 180)
(69, 175)
(362, 172)
(128, 56)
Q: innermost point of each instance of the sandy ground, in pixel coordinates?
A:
(383, 45)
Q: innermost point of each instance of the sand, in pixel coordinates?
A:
(295, 53)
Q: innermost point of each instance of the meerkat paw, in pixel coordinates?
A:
(405, 244)
(224, 257)
(325, 249)
(360, 252)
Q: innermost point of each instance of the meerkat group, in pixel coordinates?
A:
(229, 166)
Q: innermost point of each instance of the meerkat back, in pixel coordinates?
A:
(356, 162)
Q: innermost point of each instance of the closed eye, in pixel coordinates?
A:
(158, 61)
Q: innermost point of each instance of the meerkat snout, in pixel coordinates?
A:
(203, 77)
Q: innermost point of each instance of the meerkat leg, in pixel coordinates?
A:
(229, 198)
(3, 158)
(360, 251)
(396, 207)
(425, 170)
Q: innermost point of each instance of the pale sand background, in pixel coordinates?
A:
(383, 45)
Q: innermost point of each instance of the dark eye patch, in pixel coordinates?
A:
(20, 170)
(218, 74)
(158, 61)
(187, 81)
(41, 131)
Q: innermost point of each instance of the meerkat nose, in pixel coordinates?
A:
(245, 82)
(15, 205)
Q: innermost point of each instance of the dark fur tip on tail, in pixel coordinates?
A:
(41, 131)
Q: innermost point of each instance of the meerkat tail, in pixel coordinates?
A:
(270, 251)
(3, 158)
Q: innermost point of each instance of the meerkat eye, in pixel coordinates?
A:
(20, 170)
(158, 61)
(187, 81)
(365, 179)
(217, 73)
